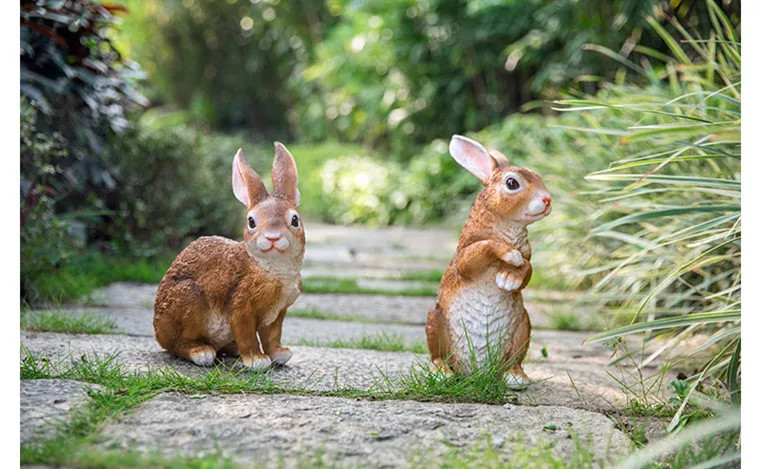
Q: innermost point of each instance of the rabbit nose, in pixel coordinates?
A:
(273, 236)
(547, 200)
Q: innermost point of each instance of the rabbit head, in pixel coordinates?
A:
(512, 193)
(273, 227)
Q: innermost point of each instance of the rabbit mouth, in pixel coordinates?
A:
(541, 214)
(272, 248)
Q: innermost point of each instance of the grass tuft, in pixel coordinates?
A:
(385, 342)
(321, 284)
(59, 321)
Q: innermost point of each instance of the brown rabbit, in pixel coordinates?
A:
(218, 293)
(479, 308)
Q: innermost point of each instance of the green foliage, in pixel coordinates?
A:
(394, 73)
(671, 220)
(173, 184)
(226, 61)
(71, 69)
(81, 85)
(46, 239)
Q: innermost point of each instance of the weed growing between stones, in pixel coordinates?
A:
(350, 286)
(432, 275)
(484, 383)
(384, 342)
(314, 313)
(59, 321)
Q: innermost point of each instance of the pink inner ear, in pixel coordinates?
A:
(472, 156)
(239, 187)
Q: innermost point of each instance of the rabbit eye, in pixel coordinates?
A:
(294, 221)
(251, 223)
(512, 184)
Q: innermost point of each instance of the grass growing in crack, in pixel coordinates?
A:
(383, 342)
(432, 275)
(60, 321)
(321, 284)
(565, 321)
(314, 313)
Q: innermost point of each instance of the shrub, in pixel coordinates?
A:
(82, 89)
(393, 74)
(225, 62)
(173, 185)
(70, 68)
(47, 240)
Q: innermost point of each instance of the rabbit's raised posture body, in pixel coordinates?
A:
(218, 293)
(480, 309)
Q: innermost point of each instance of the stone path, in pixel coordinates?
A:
(45, 403)
(259, 429)
(573, 389)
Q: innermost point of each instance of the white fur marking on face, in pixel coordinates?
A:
(263, 243)
(282, 357)
(282, 244)
(204, 358)
(514, 257)
(536, 205)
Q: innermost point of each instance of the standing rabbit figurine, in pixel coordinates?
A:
(479, 308)
(218, 293)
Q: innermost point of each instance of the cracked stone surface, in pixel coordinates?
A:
(48, 402)
(260, 428)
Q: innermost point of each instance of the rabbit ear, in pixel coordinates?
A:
(499, 157)
(473, 157)
(246, 183)
(285, 175)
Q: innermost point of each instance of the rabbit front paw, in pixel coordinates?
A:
(513, 257)
(508, 281)
(257, 362)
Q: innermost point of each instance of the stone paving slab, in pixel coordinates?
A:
(259, 429)
(576, 377)
(561, 346)
(46, 403)
(377, 308)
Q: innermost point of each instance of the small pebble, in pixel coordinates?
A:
(509, 406)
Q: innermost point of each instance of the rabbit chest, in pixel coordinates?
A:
(280, 290)
(482, 316)
(288, 273)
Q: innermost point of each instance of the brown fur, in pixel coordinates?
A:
(218, 293)
(495, 227)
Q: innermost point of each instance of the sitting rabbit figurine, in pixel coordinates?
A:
(479, 302)
(218, 293)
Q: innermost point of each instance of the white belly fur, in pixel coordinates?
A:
(482, 316)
